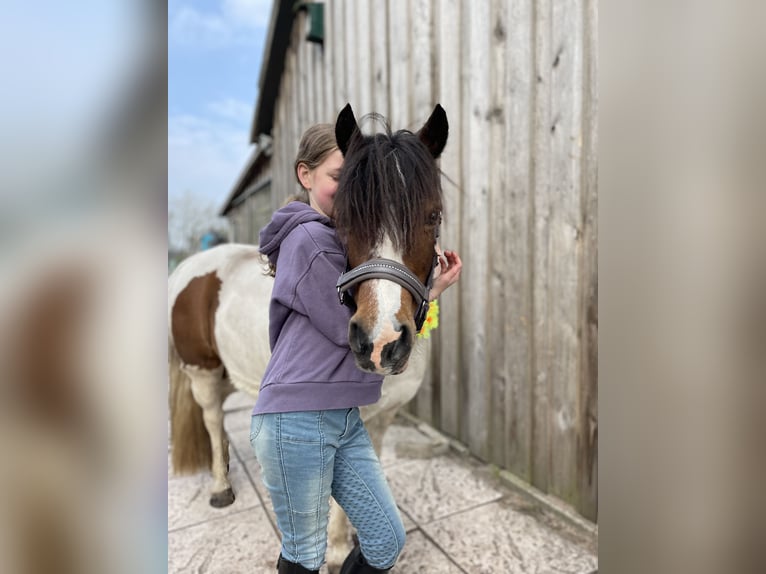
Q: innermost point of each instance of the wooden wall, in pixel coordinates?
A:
(514, 373)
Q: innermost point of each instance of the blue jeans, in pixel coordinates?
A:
(308, 456)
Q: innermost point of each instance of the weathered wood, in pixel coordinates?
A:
(380, 59)
(498, 310)
(514, 366)
(421, 54)
(565, 242)
(447, 353)
(542, 348)
(399, 44)
(297, 121)
(352, 47)
(339, 52)
(304, 71)
(422, 106)
(517, 244)
(587, 448)
(475, 208)
(327, 52)
(363, 47)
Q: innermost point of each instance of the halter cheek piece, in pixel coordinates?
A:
(391, 271)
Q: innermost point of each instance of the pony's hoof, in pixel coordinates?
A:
(221, 499)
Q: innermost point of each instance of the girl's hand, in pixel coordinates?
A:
(446, 274)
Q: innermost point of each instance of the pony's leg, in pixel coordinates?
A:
(208, 390)
(338, 538)
(377, 423)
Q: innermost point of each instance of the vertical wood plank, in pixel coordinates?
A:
(308, 62)
(320, 76)
(276, 158)
(380, 53)
(565, 242)
(290, 118)
(475, 206)
(517, 246)
(328, 52)
(351, 47)
(542, 355)
(447, 338)
(422, 106)
(421, 42)
(399, 42)
(278, 154)
(303, 68)
(497, 324)
(300, 114)
(339, 54)
(587, 455)
(362, 47)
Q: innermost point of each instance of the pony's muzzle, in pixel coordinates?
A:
(396, 353)
(388, 357)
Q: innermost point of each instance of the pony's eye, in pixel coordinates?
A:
(433, 219)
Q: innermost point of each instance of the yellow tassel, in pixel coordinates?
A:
(432, 320)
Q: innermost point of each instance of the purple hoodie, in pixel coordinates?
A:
(311, 367)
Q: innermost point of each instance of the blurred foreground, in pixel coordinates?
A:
(82, 303)
(682, 281)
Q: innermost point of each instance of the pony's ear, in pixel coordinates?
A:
(434, 132)
(346, 128)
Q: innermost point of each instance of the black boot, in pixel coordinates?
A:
(285, 567)
(356, 564)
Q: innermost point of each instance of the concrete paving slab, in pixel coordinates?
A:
(400, 440)
(459, 517)
(240, 542)
(189, 497)
(422, 556)
(431, 489)
(497, 538)
(409, 524)
(240, 441)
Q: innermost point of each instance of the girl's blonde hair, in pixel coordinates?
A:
(317, 143)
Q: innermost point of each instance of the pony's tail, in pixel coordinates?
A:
(189, 439)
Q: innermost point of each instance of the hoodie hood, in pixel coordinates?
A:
(283, 222)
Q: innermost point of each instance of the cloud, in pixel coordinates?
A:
(188, 26)
(233, 109)
(248, 13)
(232, 24)
(206, 154)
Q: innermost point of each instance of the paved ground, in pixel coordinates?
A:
(460, 517)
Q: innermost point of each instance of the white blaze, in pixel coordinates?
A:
(388, 297)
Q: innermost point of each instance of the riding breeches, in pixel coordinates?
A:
(307, 456)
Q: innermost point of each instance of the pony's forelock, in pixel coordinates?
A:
(387, 183)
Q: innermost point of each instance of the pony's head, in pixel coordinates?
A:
(387, 210)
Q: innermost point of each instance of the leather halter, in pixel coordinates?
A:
(380, 268)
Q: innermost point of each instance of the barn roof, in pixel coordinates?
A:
(272, 66)
(274, 51)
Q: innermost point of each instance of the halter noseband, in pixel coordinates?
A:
(390, 270)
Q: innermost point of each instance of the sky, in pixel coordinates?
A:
(215, 49)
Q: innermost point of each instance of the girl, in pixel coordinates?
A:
(306, 430)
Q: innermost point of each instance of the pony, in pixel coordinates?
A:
(387, 213)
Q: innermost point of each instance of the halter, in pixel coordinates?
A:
(380, 268)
